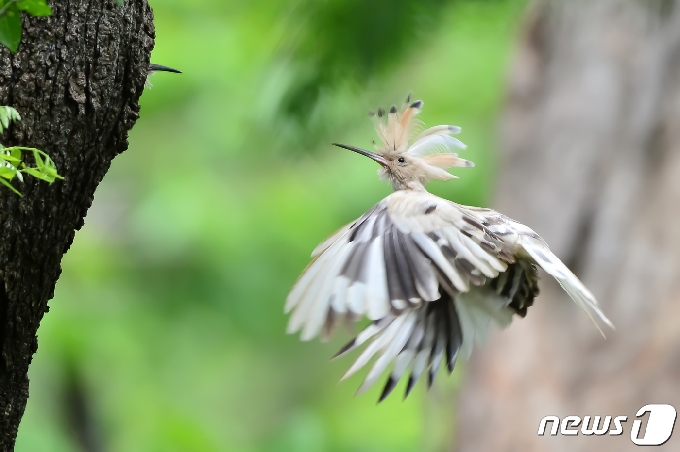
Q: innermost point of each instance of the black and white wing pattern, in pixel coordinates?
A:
(530, 245)
(431, 275)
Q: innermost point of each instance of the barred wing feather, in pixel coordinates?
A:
(431, 275)
(394, 258)
(537, 249)
(569, 281)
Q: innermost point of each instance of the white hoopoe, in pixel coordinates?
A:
(431, 274)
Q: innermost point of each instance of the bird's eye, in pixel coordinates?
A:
(401, 160)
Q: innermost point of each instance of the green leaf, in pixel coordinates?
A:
(35, 7)
(13, 114)
(10, 27)
(33, 172)
(10, 158)
(38, 159)
(38, 174)
(7, 115)
(4, 119)
(120, 2)
(8, 185)
(7, 172)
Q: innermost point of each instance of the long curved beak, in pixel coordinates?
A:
(161, 68)
(371, 155)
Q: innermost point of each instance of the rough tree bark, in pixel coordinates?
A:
(591, 160)
(75, 80)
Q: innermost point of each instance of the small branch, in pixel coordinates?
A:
(5, 8)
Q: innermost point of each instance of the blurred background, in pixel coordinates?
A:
(167, 333)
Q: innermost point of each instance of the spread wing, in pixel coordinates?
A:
(533, 246)
(392, 260)
(431, 275)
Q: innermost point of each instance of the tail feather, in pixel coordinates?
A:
(422, 338)
(476, 309)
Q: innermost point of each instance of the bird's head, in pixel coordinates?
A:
(426, 158)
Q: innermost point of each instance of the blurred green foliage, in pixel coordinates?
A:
(166, 332)
(341, 41)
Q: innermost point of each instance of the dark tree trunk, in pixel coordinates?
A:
(591, 161)
(75, 80)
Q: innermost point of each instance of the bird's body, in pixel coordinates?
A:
(429, 273)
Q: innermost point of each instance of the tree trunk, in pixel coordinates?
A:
(75, 80)
(591, 161)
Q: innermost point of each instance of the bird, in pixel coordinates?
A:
(160, 68)
(430, 275)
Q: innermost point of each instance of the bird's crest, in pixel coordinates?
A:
(395, 129)
(428, 155)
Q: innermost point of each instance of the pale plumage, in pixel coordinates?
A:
(430, 274)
